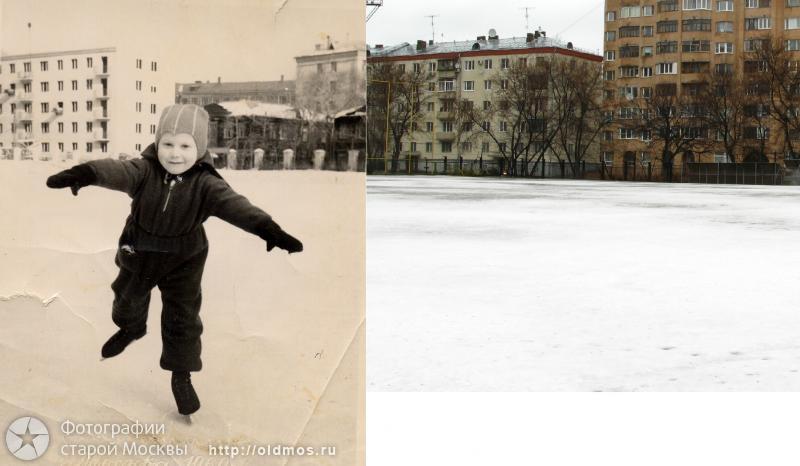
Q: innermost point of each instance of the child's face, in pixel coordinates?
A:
(177, 152)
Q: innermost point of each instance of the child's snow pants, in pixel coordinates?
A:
(178, 278)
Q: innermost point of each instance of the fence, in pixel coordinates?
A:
(711, 173)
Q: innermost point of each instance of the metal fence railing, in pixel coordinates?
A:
(710, 173)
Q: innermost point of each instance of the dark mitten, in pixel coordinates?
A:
(275, 236)
(74, 178)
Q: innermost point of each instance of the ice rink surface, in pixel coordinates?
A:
(283, 335)
(560, 285)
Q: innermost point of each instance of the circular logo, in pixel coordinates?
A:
(27, 438)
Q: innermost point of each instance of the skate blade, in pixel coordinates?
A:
(187, 419)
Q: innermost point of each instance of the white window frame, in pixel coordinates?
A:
(724, 5)
(723, 47)
(469, 86)
(667, 68)
(792, 45)
(728, 26)
(791, 23)
(648, 10)
(611, 16)
(697, 4)
(631, 11)
(447, 85)
(469, 65)
(611, 55)
(646, 72)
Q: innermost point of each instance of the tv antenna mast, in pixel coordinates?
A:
(433, 30)
(527, 23)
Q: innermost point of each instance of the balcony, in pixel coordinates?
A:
(23, 96)
(446, 95)
(25, 76)
(22, 115)
(100, 114)
(100, 70)
(446, 136)
(23, 136)
(101, 93)
(445, 115)
(100, 135)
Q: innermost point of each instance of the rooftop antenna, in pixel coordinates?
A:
(527, 23)
(433, 29)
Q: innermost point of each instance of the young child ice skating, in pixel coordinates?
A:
(174, 190)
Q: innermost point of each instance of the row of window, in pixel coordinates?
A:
(687, 46)
(645, 158)
(45, 127)
(89, 146)
(698, 25)
(446, 85)
(45, 86)
(669, 68)
(673, 5)
(486, 63)
(44, 65)
(45, 107)
(447, 147)
(689, 132)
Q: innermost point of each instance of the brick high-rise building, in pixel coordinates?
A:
(673, 46)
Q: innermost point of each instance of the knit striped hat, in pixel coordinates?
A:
(185, 118)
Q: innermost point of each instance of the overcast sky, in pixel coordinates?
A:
(578, 21)
(238, 40)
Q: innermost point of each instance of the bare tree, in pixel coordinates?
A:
(404, 93)
(518, 118)
(576, 89)
(725, 99)
(321, 96)
(672, 123)
(775, 70)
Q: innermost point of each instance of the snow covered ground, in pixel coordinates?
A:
(513, 285)
(283, 346)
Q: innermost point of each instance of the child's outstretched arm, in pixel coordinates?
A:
(235, 209)
(119, 175)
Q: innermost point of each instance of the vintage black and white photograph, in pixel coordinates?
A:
(183, 239)
(583, 196)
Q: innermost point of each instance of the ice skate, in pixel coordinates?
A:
(119, 341)
(185, 396)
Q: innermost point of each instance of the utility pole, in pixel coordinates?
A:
(433, 30)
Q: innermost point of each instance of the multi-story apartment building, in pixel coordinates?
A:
(673, 45)
(80, 104)
(331, 78)
(461, 71)
(200, 93)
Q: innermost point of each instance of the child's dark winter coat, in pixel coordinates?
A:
(164, 244)
(174, 190)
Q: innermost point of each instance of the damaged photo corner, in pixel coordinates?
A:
(183, 234)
